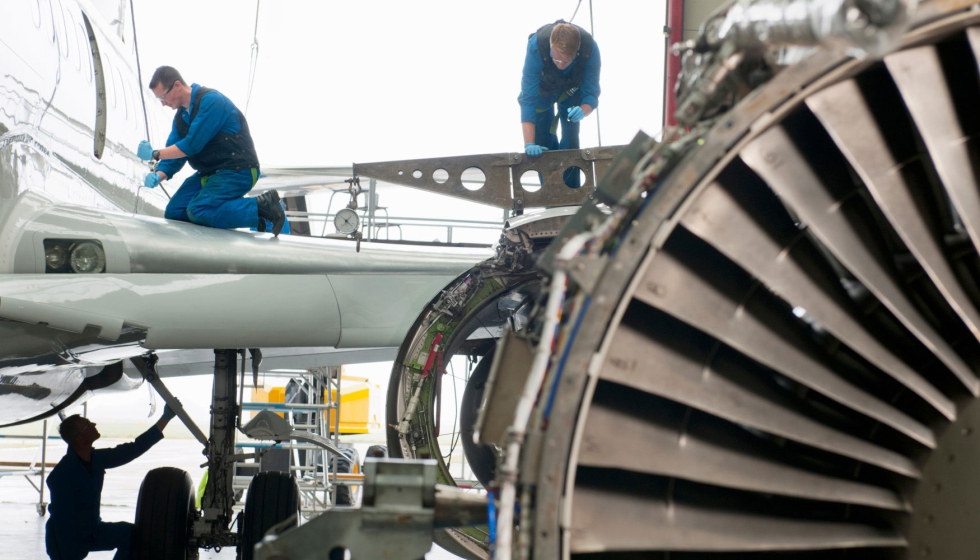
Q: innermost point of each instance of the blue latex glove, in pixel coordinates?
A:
(168, 413)
(152, 180)
(575, 114)
(145, 151)
(533, 149)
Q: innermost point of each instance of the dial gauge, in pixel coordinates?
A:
(346, 221)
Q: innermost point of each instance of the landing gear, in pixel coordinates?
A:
(272, 498)
(164, 513)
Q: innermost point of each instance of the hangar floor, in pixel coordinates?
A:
(22, 530)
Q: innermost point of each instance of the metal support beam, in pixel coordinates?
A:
(146, 365)
(495, 179)
(42, 506)
(213, 528)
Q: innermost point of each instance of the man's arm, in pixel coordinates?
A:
(122, 454)
(170, 166)
(590, 83)
(528, 129)
(530, 84)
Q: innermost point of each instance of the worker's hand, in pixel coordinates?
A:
(152, 180)
(145, 151)
(575, 114)
(168, 413)
(533, 149)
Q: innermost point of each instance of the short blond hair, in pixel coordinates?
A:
(566, 38)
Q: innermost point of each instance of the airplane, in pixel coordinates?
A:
(90, 273)
(97, 290)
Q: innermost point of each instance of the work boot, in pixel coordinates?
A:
(270, 209)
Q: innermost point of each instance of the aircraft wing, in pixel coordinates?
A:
(301, 181)
(179, 363)
(223, 310)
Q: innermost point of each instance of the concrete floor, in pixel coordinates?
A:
(22, 530)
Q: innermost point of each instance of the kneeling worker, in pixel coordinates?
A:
(211, 134)
(75, 527)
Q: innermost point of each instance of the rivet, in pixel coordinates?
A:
(966, 431)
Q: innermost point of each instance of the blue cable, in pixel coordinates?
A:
(564, 356)
(492, 522)
(578, 322)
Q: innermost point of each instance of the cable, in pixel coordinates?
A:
(139, 76)
(577, 6)
(254, 59)
(139, 71)
(598, 127)
(454, 442)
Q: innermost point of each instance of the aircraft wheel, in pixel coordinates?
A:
(347, 495)
(272, 497)
(481, 458)
(164, 512)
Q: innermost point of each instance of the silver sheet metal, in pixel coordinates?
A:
(723, 222)
(846, 116)
(651, 447)
(607, 521)
(680, 378)
(746, 326)
(773, 156)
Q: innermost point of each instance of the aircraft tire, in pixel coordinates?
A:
(347, 495)
(482, 458)
(272, 497)
(164, 512)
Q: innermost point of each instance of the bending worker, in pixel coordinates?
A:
(75, 527)
(211, 134)
(561, 68)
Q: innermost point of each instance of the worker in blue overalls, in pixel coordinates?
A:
(561, 68)
(211, 134)
(76, 527)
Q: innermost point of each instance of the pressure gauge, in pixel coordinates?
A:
(346, 221)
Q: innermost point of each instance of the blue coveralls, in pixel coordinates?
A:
(541, 110)
(217, 200)
(75, 527)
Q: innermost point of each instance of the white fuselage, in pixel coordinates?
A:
(68, 171)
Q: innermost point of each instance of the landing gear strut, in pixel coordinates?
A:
(212, 523)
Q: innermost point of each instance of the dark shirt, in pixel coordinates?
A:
(76, 492)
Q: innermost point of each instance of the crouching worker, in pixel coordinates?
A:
(212, 135)
(75, 527)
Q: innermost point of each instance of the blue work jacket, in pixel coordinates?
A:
(530, 99)
(76, 494)
(217, 114)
